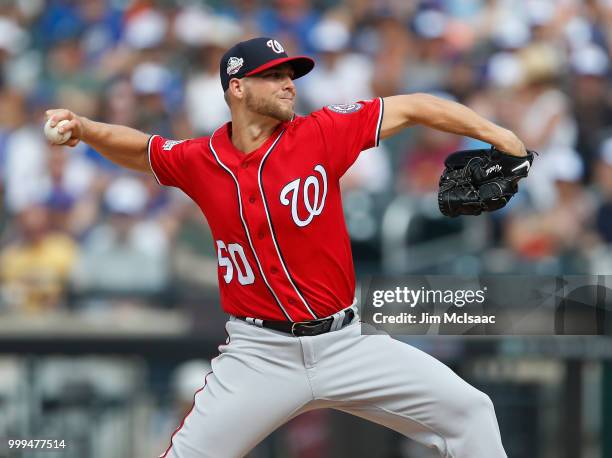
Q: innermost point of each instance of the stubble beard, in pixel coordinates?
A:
(271, 107)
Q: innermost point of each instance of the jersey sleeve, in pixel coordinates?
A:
(169, 160)
(349, 129)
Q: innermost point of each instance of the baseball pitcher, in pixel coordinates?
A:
(267, 183)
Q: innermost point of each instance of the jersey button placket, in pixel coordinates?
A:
(255, 214)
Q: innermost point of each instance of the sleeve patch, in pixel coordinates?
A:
(345, 108)
(169, 144)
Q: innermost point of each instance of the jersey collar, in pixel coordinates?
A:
(231, 155)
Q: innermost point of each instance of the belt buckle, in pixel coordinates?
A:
(308, 324)
(296, 323)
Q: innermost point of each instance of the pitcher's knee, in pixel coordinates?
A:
(470, 403)
(484, 405)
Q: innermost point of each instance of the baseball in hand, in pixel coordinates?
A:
(54, 135)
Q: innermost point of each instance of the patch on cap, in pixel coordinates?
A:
(234, 64)
(345, 108)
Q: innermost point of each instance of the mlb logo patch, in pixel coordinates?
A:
(169, 144)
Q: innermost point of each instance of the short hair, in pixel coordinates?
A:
(226, 97)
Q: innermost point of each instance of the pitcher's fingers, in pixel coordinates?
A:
(72, 124)
(72, 142)
(58, 115)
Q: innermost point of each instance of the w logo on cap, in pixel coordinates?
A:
(276, 46)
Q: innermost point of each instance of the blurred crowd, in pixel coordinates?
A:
(72, 222)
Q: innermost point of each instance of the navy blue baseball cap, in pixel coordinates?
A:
(250, 57)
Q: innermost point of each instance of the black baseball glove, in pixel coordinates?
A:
(480, 180)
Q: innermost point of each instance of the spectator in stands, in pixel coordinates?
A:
(35, 266)
(340, 76)
(151, 81)
(603, 182)
(591, 100)
(560, 229)
(24, 154)
(546, 122)
(127, 254)
(387, 41)
(69, 191)
(207, 43)
(429, 61)
(291, 21)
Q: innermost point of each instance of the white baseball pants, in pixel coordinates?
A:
(263, 378)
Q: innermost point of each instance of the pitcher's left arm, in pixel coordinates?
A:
(402, 111)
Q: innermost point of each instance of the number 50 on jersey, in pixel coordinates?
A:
(243, 269)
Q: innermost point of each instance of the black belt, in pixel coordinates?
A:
(303, 328)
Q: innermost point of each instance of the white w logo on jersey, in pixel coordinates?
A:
(313, 208)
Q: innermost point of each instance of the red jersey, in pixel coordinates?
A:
(276, 213)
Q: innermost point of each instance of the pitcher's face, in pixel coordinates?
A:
(271, 93)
